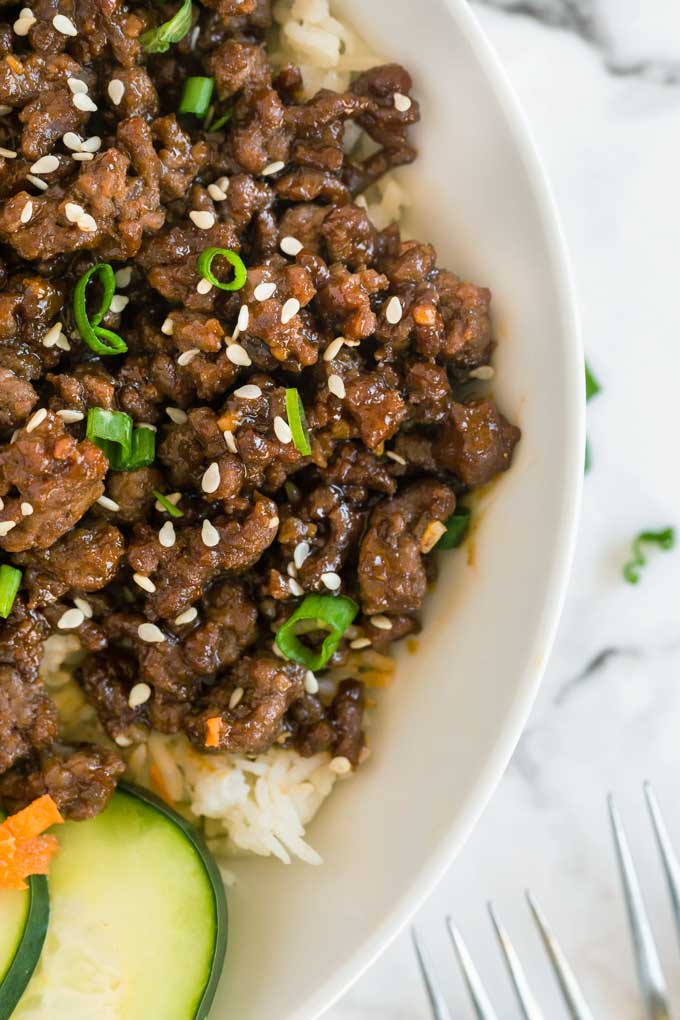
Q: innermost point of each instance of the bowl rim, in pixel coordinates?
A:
(444, 853)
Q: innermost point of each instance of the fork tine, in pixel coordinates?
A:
(527, 1003)
(671, 865)
(652, 983)
(571, 992)
(480, 1000)
(439, 1008)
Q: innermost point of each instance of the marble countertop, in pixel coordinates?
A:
(600, 81)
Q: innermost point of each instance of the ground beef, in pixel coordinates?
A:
(81, 780)
(338, 728)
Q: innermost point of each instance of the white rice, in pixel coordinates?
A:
(260, 806)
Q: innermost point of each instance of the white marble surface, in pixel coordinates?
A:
(602, 92)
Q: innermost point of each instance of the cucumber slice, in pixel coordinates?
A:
(24, 916)
(139, 919)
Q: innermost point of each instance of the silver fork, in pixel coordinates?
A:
(650, 975)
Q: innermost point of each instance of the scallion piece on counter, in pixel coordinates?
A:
(665, 539)
(126, 448)
(592, 385)
(331, 613)
(160, 39)
(100, 340)
(10, 579)
(456, 528)
(297, 422)
(173, 510)
(205, 261)
(196, 96)
(221, 121)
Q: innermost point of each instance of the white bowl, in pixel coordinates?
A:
(300, 935)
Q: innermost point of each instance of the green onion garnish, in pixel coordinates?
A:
(592, 385)
(221, 121)
(456, 528)
(588, 460)
(159, 40)
(205, 260)
(665, 539)
(88, 326)
(173, 510)
(125, 448)
(10, 579)
(297, 422)
(196, 96)
(331, 613)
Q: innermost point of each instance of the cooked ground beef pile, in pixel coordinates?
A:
(96, 166)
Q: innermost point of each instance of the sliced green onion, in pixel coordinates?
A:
(221, 121)
(665, 539)
(456, 528)
(592, 385)
(88, 326)
(205, 260)
(196, 96)
(10, 579)
(297, 422)
(331, 613)
(125, 448)
(173, 510)
(159, 40)
(588, 460)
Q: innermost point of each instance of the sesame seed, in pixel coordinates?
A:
(484, 372)
(290, 309)
(167, 327)
(166, 535)
(139, 695)
(282, 430)
(204, 220)
(291, 569)
(340, 765)
(108, 504)
(64, 25)
(193, 38)
(249, 392)
(396, 457)
(84, 606)
(82, 102)
(264, 291)
(210, 536)
(311, 683)
(290, 245)
(236, 696)
(69, 416)
(243, 318)
(70, 619)
(273, 168)
(92, 144)
(116, 91)
(36, 419)
(204, 286)
(26, 509)
(334, 348)
(52, 335)
(302, 551)
(187, 357)
(82, 157)
(76, 85)
(123, 276)
(331, 580)
(336, 386)
(119, 302)
(274, 522)
(72, 141)
(37, 182)
(216, 193)
(295, 587)
(223, 183)
(211, 478)
(238, 355)
(150, 633)
(123, 741)
(73, 212)
(360, 642)
(8, 153)
(22, 26)
(402, 103)
(381, 622)
(230, 441)
(62, 343)
(26, 212)
(144, 582)
(176, 414)
(188, 616)
(87, 223)
(6, 526)
(393, 311)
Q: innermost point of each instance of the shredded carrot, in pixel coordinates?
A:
(213, 729)
(157, 779)
(23, 850)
